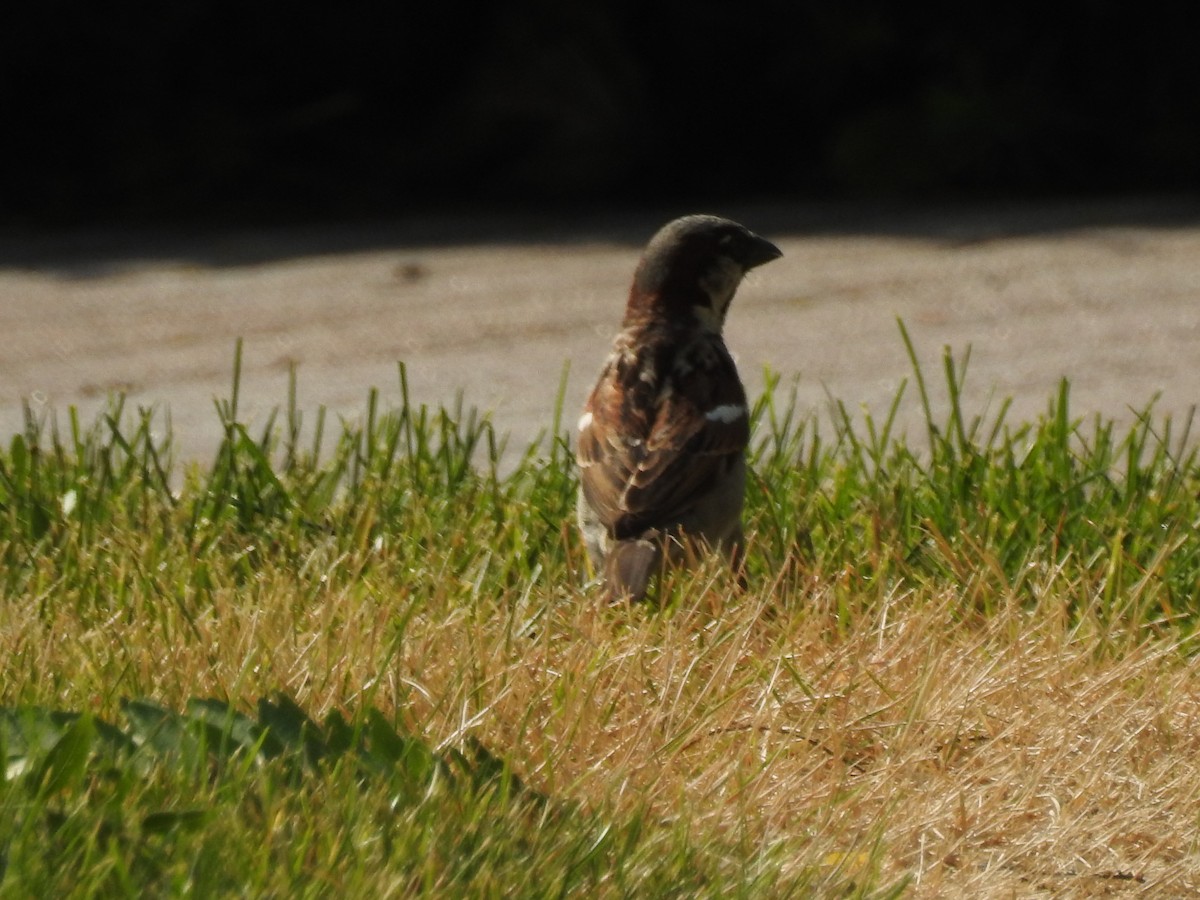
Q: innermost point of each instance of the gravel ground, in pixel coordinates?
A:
(1106, 294)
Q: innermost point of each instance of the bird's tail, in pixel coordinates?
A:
(630, 566)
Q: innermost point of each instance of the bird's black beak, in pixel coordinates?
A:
(759, 251)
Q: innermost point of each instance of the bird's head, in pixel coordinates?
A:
(692, 267)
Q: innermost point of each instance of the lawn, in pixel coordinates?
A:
(364, 659)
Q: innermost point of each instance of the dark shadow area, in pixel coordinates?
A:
(87, 252)
(200, 116)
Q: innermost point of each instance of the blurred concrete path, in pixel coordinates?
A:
(1105, 293)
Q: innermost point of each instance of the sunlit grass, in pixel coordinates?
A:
(963, 663)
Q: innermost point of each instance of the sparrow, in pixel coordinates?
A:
(662, 439)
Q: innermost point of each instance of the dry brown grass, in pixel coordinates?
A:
(1003, 757)
(1028, 753)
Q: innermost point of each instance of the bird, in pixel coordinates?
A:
(661, 443)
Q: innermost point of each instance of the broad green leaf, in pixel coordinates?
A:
(288, 725)
(234, 730)
(63, 766)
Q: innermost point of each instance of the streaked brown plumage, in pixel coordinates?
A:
(663, 435)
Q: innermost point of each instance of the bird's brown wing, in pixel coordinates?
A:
(646, 456)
